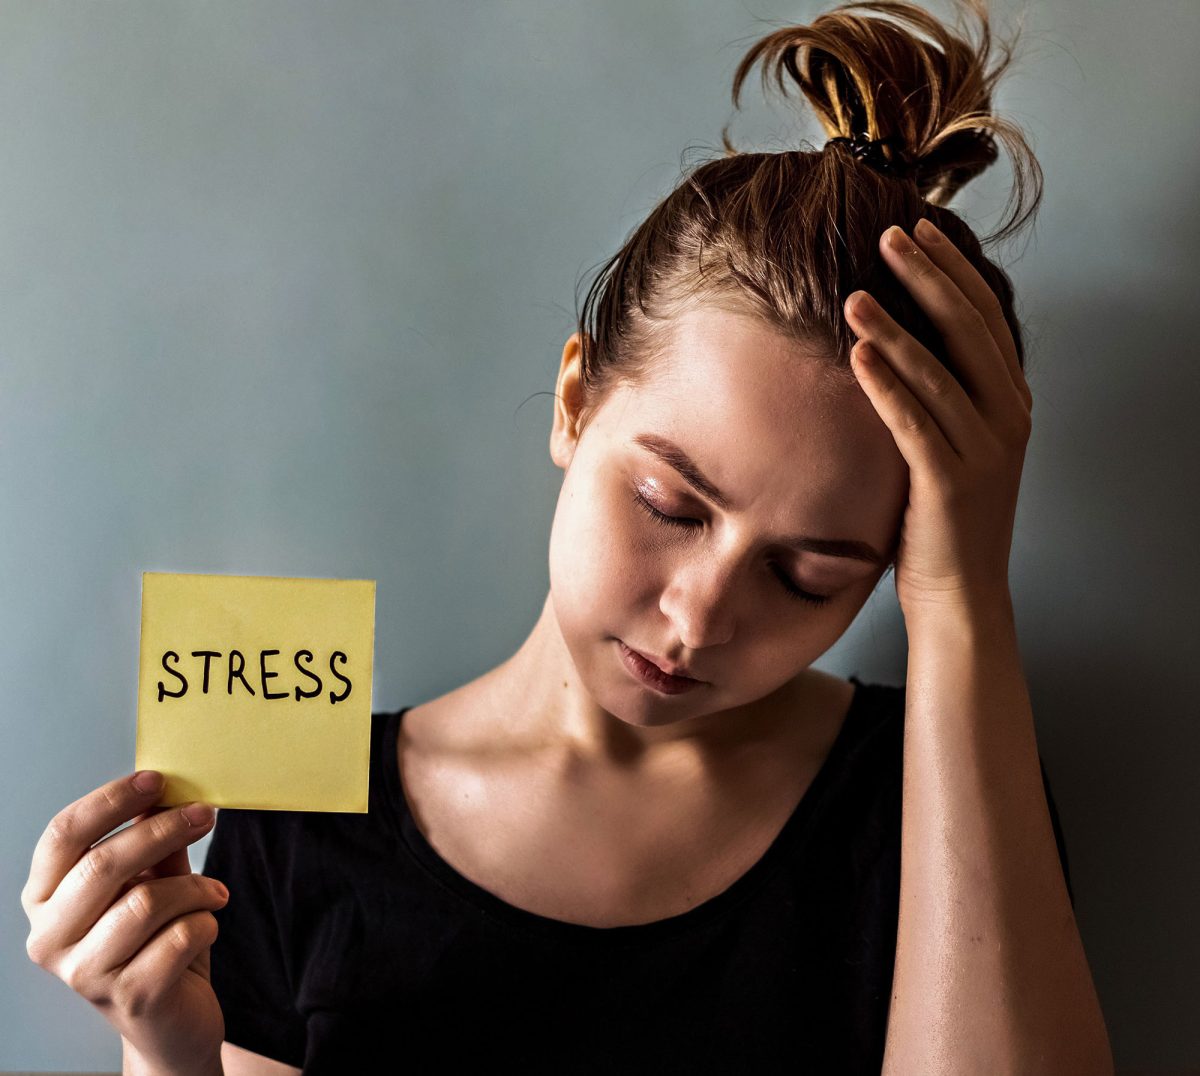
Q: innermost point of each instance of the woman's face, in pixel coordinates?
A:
(790, 450)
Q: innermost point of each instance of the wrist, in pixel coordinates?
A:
(134, 1063)
(968, 617)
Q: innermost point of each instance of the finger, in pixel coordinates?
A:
(912, 428)
(92, 885)
(969, 334)
(182, 944)
(177, 862)
(932, 388)
(129, 922)
(951, 261)
(76, 828)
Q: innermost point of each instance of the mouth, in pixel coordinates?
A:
(646, 672)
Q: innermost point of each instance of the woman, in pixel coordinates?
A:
(655, 839)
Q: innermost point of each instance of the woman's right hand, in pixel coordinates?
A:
(126, 924)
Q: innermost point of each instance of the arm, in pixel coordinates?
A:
(133, 1064)
(991, 974)
(239, 1061)
(233, 1061)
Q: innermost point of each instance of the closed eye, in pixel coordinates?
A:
(683, 523)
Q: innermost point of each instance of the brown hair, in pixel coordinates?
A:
(788, 236)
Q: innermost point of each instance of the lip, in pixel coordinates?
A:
(647, 672)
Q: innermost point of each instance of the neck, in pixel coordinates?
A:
(541, 697)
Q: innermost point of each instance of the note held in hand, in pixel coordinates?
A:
(255, 691)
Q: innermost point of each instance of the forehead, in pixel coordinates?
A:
(732, 376)
(765, 420)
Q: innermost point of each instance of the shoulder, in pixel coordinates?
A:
(823, 690)
(878, 742)
(867, 777)
(881, 702)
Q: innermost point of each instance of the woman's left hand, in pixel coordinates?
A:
(964, 443)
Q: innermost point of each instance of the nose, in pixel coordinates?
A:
(700, 603)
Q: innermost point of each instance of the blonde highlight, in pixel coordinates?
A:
(787, 236)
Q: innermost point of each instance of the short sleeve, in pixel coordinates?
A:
(1058, 833)
(249, 966)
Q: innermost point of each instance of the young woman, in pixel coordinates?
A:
(655, 839)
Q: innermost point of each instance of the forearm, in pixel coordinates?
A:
(990, 974)
(133, 1064)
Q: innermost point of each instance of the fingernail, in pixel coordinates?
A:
(148, 781)
(221, 891)
(198, 814)
(928, 231)
(861, 305)
(897, 240)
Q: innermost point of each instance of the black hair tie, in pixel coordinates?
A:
(870, 151)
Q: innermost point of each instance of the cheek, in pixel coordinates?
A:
(593, 554)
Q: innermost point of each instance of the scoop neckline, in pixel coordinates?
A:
(566, 930)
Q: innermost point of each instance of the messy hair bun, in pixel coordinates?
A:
(787, 236)
(930, 101)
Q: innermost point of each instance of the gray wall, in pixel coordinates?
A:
(277, 277)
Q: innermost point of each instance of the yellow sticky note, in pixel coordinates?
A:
(255, 691)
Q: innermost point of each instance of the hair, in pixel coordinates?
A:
(788, 236)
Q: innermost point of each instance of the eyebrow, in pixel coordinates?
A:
(674, 456)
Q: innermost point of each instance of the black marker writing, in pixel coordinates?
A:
(235, 670)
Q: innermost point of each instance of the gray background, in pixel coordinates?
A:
(277, 278)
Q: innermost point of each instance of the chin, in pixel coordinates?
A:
(646, 719)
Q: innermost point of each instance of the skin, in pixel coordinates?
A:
(991, 973)
(566, 787)
(563, 728)
(794, 450)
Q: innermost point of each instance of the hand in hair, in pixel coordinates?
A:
(963, 434)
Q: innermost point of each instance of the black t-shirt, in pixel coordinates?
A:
(349, 945)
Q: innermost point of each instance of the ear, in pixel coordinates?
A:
(568, 404)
